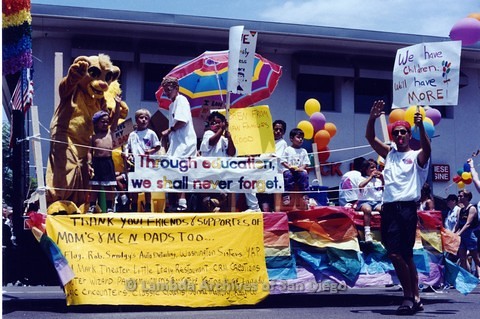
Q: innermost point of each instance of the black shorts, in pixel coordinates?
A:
(104, 172)
(399, 227)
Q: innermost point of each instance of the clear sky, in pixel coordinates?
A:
(424, 17)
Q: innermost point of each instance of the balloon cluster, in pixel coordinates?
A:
(431, 117)
(317, 130)
(467, 29)
(463, 177)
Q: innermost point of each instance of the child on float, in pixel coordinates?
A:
(279, 129)
(216, 142)
(296, 161)
(142, 141)
(370, 196)
(99, 157)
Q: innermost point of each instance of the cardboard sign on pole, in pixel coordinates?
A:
(427, 74)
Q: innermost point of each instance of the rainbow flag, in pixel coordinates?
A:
(17, 36)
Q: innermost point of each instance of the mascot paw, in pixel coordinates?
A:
(80, 68)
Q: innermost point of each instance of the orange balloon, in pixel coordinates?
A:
(322, 138)
(330, 128)
(323, 154)
(396, 115)
(475, 15)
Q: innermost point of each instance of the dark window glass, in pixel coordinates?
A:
(320, 87)
(369, 90)
(152, 78)
(447, 111)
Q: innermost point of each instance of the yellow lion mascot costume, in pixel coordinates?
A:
(90, 86)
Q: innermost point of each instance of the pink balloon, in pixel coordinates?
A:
(467, 30)
(434, 115)
(318, 121)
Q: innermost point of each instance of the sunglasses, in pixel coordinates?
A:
(170, 86)
(398, 132)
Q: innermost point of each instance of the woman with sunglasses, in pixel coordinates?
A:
(405, 173)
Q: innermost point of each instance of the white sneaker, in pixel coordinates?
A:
(368, 237)
(252, 210)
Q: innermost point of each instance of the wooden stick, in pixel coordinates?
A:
(318, 174)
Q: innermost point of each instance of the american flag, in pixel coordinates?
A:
(22, 97)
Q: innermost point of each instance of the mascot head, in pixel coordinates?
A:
(100, 73)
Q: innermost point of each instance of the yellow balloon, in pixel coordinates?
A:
(396, 115)
(330, 128)
(410, 113)
(312, 106)
(466, 175)
(307, 129)
(461, 185)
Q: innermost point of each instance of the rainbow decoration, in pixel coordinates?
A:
(17, 36)
(325, 251)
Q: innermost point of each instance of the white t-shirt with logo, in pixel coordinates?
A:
(403, 176)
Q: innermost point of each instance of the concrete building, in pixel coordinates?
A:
(346, 70)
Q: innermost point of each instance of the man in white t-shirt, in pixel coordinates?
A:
(405, 173)
(181, 133)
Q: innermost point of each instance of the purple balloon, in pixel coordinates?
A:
(434, 115)
(318, 121)
(467, 30)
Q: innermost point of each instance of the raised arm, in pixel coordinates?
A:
(426, 149)
(380, 147)
(475, 178)
(116, 114)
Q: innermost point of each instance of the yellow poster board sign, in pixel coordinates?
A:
(177, 259)
(252, 130)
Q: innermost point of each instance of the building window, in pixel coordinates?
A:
(369, 90)
(152, 78)
(445, 110)
(320, 87)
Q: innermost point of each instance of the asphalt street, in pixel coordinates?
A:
(49, 302)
